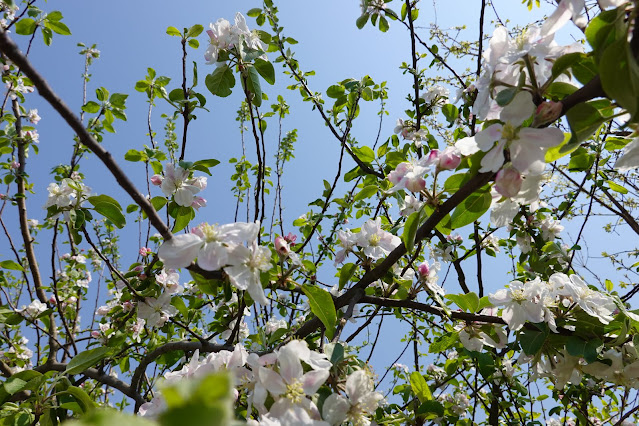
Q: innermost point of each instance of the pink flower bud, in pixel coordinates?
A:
(142, 276)
(423, 269)
(103, 310)
(144, 251)
(290, 238)
(52, 300)
(547, 112)
(281, 246)
(508, 182)
(415, 184)
(157, 180)
(198, 202)
(15, 165)
(95, 334)
(450, 158)
(433, 156)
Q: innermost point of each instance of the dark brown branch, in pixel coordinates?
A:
(95, 374)
(10, 49)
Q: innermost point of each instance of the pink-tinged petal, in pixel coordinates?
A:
(312, 381)
(508, 182)
(183, 197)
(518, 110)
(494, 159)
(272, 381)
(213, 256)
(290, 365)
(335, 409)
(545, 138)
(486, 138)
(180, 250)
(358, 384)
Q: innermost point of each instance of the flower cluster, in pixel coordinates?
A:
(177, 182)
(539, 301)
(224, 36)
(372, 239)
(221, 246)
(281, 386)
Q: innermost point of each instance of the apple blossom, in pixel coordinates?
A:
(210, 244)
(375, 241)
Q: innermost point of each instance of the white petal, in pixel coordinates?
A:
(467, 146)
(518, 110)
(180, 250)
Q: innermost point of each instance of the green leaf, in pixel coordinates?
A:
(467, 302)
(584, 119)
(56, 15)
(444, 342)
(184, 216)
(410, 230)
(366, 192)
(565, 62)
(450, 112)
(322, 306)
(91, 107)
(84, 401)
(431, 409)
(97, 199)
(556, 152)
(620, 75)
(454, 182)
(335, 91)
(420, 387)
(135, 155)
(346, 273)
(179, 304)
(616, 187)
(532, 341)
(362, 20)
(25, 26)
(195, 30)
(365, 154)
(505, 96)
(265, 69)
(194, 43)
(586, 349)
(254, 12)
(472, 208)
(10, 264)
(253, 85)
(87, 359)
(110, 417)
(383, 24)
(57, 27)
(111, 212)
(221, 81)
(172, 31)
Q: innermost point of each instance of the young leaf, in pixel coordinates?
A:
(322, 306)
(221, 81)
(87, 359)
(266, 70)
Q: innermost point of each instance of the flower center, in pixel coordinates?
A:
(295, 392)
(374, 240)
(210, 232)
